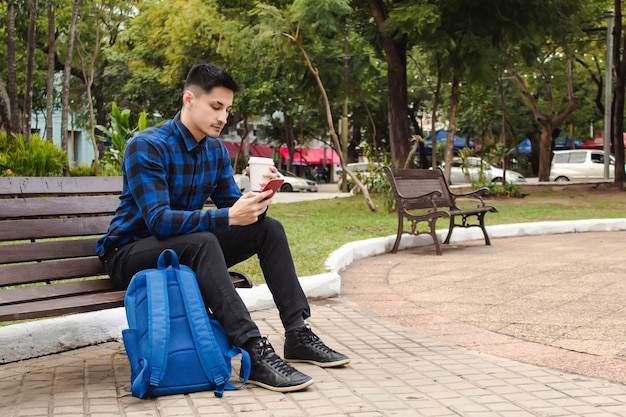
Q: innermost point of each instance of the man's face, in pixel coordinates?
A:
(205, 114)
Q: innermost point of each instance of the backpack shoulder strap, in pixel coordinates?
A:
(158, 324)
(230, 352)
(158, 327)
(208, 350)
(152, 368)
(246, 366)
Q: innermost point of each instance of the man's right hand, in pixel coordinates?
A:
(249, 207)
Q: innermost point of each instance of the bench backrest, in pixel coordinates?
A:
(408, 184)
(48, 230)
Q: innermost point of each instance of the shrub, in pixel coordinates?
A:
(83, 170)
(109, 169)
(508, 190)
(37, 158)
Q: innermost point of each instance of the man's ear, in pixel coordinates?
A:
(188, 98)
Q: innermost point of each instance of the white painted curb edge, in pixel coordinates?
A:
(44, 337)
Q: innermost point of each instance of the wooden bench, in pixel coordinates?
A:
(423, 195)
(48, 230)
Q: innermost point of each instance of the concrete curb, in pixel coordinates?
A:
(43, 337)
(58, 334)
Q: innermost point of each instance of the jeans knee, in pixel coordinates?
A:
(203, 240)
(273, 227)
(197, 248)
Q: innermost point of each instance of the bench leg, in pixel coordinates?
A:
(433, 233)
(447, 241)
(481, 219)
(399, 235)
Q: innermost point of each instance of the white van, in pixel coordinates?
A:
(580, 165)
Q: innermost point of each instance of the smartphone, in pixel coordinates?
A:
(274, 185)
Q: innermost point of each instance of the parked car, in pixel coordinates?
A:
(295, 183)
(580, 165)
(292, 182)
(243, 182)
(474, 169)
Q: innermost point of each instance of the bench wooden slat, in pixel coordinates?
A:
(47, 250)
(19, 274)
(43, 292)
(59, 206)
(51, 228)
(60, 185)
(423, 195)
(61, 306)
(48, 232)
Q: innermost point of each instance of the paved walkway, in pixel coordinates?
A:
(556, 300)
(458, 335)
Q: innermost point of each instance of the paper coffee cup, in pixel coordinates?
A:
(258, 167)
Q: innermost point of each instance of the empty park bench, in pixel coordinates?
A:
(423, 195)
(48, 231)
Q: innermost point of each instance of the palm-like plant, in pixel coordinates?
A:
(116, 137)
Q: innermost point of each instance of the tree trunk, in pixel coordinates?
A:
(433, 118)
(30, 61)
(5, 112)
(50, 83)
(620, 88)
(548, 122)
(535, 147)
(397, 101)
(374, 132)
(65, 96)
(290, 139)
(89, 72)
(99, 104)
(503, 108)
(545, 150)
(618, 130)
(246, 132)
(397, 104)
(454, 104)
(14, 115)
(92, 120)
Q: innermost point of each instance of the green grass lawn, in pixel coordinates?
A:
(317, 228)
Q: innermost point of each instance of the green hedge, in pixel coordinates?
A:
(37, 158)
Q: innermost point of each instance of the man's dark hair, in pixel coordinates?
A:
(207, 76)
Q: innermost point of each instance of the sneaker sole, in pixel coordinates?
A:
(282, 389)
(321, 364)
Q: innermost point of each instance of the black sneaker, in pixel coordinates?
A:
(302, 345)
(269, 371)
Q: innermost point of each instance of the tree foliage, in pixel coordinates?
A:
(504, 65)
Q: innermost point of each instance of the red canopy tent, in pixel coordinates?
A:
(232, 148)
(311, 156)
(260, 149)
(597, 143)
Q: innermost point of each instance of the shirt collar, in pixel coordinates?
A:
(190, 141)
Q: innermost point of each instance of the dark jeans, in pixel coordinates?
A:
(210, 255)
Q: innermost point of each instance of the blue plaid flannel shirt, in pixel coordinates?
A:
(168, 177)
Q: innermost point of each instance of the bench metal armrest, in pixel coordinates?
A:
(474, 194)
(430, 199)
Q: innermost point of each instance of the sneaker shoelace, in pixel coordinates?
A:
(308, 336)
(269, 355)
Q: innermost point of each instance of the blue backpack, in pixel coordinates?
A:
(172, 344)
